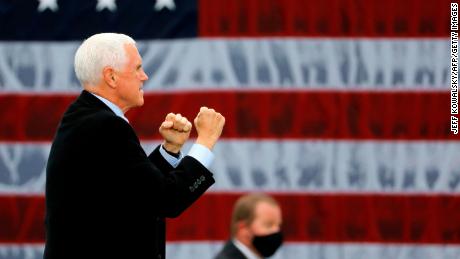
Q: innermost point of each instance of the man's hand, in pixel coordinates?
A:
(175, 130)
(209, 125)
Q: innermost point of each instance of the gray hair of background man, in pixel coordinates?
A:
(99, 51)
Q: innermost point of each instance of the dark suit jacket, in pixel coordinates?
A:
(230, 251)
(105, 198)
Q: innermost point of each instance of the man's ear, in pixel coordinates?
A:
(243, 227)
(109, 77)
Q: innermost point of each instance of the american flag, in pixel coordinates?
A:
(340, 109)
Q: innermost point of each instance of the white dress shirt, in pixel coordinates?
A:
(198, 151)
(245, 250)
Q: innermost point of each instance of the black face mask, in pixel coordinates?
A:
(267, 245)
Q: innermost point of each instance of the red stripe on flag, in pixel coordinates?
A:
(22, 219)
(336, 18)
(259, 114)
(421, 219)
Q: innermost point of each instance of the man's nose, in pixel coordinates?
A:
(276, 228)
(144, 76)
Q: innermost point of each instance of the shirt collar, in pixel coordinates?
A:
(112, 107)
(245, 250)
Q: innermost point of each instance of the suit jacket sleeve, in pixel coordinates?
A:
(151, 179)
(158, 160)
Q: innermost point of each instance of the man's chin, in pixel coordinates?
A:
(139, 103)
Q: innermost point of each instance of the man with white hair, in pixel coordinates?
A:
(105, 198)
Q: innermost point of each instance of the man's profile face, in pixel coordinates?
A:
(131, 79)
(267, 219)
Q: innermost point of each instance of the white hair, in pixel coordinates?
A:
(99, 51)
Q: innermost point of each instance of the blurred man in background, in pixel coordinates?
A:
(105, 198)
(255, 228)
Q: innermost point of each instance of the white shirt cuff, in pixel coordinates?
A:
(202, 154)
(173, 161)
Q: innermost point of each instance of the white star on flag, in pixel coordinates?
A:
(160, 4)
(47, 4)
(106, 4)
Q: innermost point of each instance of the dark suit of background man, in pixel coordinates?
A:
(105, 198)
(255, 228)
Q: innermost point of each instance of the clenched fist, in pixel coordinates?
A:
(209, 125)
(175, 130)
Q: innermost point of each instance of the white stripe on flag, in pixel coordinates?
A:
(288, 166)
(370, 64)
(206, 250)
